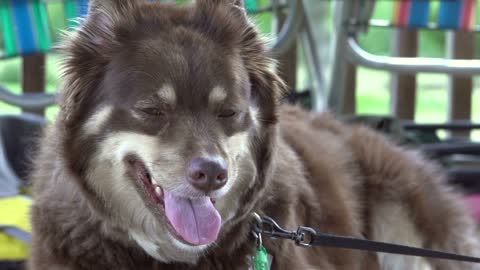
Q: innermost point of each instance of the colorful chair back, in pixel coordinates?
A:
(453, 14)
(25, 24)
(458, 15)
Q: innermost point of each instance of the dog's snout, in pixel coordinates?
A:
(207, 174)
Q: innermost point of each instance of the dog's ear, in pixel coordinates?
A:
(223, 21)
(89, 51)
(235, 7)
(104, 14)
(226, 22)
(111, 6)
(238, 3)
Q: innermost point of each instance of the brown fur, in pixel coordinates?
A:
(301, 168)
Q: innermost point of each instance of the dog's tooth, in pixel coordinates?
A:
(158, 190)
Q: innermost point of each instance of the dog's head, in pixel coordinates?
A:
(168, 116)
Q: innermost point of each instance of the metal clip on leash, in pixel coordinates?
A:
(308, 237)
(257, 234)
(303, 237)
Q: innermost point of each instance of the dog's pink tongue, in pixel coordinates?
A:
(195, 220)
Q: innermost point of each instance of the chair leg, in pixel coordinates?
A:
(33, 78)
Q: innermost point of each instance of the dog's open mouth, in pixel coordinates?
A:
(194, 221)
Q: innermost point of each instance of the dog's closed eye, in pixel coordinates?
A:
(227, 114)
(153, 111)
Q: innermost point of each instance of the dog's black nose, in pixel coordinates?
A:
(207, 174)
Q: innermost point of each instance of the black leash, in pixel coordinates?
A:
(308, 237)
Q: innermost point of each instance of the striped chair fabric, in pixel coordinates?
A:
(25, 24)
(453, 14)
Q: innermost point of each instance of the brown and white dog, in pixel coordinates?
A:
(170, 137)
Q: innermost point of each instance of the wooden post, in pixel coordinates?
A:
(350, 86)
(404, 85)
(461, 45)
(350, 97)
(33, 76)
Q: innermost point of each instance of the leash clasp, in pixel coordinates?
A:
(270, 228)
(257, 234)
(305, 237)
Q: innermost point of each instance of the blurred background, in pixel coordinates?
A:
(408, 68)
(373, 86)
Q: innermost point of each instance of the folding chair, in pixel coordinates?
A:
(25, 29)
(17, 136)
(461, 157)
(454, 15)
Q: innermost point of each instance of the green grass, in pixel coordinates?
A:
(373, 96)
